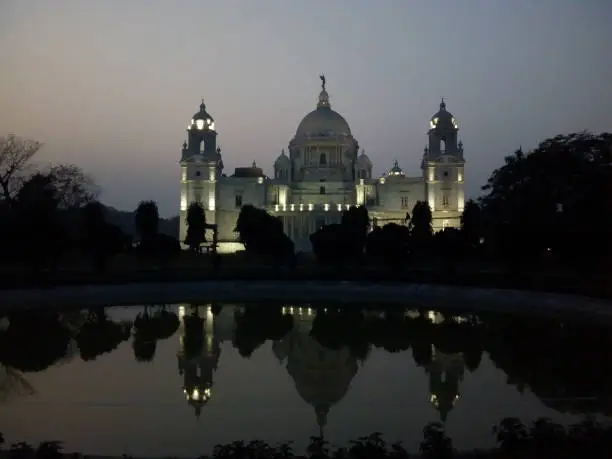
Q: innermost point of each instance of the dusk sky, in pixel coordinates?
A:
(111, 85)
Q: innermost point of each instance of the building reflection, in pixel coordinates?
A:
(322, 376)
(445, 370)
(200, 335)
(445, 374)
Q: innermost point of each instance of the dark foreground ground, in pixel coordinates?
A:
(126, 269)
(554, 443)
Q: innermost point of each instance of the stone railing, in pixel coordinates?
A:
(328, 207)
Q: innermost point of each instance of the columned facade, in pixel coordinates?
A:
(320, 174)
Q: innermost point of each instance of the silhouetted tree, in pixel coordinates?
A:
(15, 156)
(99, 335)
(389, 244)
(166, 248)
(144, 342)
(100, 238)
(420, 223)
(336, 329)
(449, 244)
(149, 328)
(329, 244)
(196, 226)
(343, 242)
(36, 223)
(420, 228)
(436, 444)
(471, 225)
(535, 354)
(144, 348)
(73, 187)
(153, 244)
(147, 220)
(262, 234)
(33, 341)
(544, 202)
(257, 325)
(389, 333)
(356, 222)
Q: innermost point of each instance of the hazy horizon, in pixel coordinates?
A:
(110, 86)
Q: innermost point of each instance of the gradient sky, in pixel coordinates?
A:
(111, 85)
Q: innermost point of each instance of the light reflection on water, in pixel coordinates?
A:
(194, 388)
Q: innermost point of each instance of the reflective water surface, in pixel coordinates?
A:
(176, 380)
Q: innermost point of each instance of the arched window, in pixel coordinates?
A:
(202, 146)
(445, 199)
(443, 145)
(323, 159)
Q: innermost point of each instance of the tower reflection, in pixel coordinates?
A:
(445, 368)
(200, 335)
(445, 375)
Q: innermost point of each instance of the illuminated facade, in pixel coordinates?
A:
(321, 174)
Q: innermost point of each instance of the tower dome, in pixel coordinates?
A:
(443, 119)
(202, 119)
(364, 160)
(396, 170)
(323, 121)
(282, 160)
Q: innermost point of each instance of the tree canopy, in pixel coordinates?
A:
(556, 197)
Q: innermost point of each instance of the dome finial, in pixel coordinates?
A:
(202, 105)
(323, 96)
(321, 411)
(442, 104)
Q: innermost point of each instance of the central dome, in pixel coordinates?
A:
(323, 121)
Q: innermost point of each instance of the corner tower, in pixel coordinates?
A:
(443, 168)
(201, 166)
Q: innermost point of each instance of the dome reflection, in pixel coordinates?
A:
(322, 376)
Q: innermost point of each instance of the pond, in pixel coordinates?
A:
(154, 381)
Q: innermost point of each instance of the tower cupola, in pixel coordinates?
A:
(201, 137)
(443, 134)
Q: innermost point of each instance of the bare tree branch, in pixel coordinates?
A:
(74, 188)
(13, 383)
(15, 155)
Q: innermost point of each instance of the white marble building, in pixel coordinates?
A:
(321, 174)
